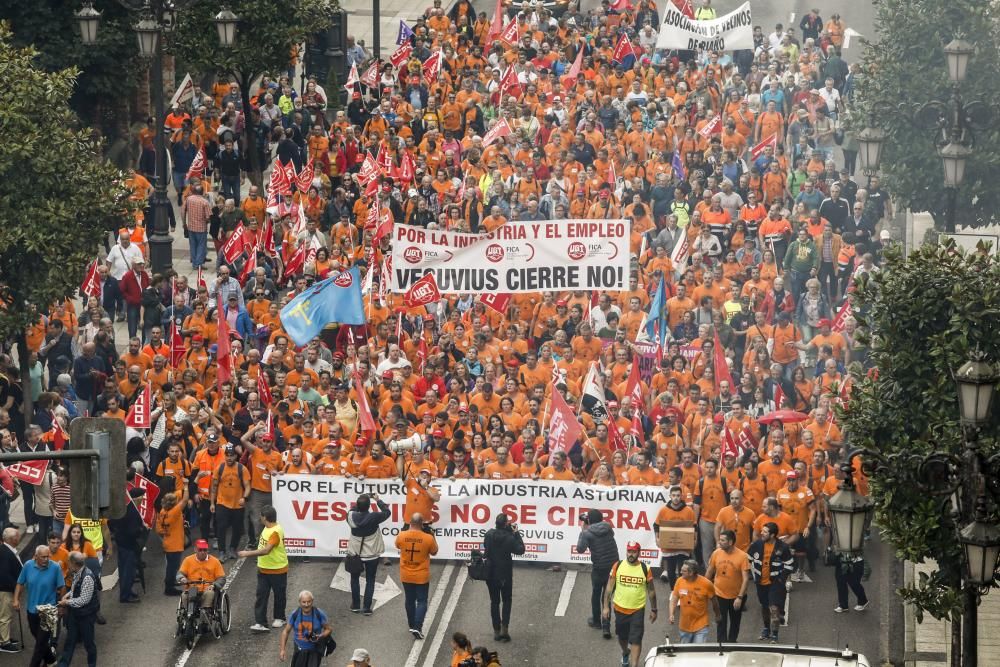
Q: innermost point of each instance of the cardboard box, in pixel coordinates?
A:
(676, 536)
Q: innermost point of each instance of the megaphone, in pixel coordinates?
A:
(410, 444)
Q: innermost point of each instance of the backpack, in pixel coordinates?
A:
(478, 566)
(645, 568)
(239, 469)
(725, 486)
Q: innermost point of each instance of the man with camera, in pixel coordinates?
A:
(310, 630)
(598, 537)
(416, 546)
(500, 545)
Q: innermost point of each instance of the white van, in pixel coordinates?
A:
(750, 655)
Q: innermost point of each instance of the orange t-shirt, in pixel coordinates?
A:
(415, 549)
(729, 569)
(740, 523)
(785, 523)
(418, 501)
(170, 527)
(692, 598)
(262, 466)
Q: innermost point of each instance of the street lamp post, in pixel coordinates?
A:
(156, 17)
(970, 480)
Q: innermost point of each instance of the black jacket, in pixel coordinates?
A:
(499, 547)
(10, 569)
(599, 539)
(367, 523)
(127, 530)
(780, 565)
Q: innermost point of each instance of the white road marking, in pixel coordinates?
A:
(788, 604)
(848, 34)
(384, 592)
(439, 591)
(567, 590)
(186, 655)
(109, 581)
(791, 19)
(449, 611)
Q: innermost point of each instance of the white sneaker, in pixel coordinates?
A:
(840, 610)
(278, 623)
(257, 627)
(861, 607)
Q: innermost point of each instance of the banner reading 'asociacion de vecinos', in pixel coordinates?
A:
(516, 257)
(312, 510)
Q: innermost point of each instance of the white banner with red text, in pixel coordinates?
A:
(313, 509)
(526, 256)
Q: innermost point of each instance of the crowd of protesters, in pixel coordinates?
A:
(743, 155)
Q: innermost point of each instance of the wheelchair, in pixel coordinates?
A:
(193, 621)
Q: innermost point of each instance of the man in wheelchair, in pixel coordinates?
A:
(203, 567)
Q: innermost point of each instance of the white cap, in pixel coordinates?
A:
(885, 235)
(359, 655)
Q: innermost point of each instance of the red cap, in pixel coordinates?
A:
(561, 302)
(633, 546)
(612, 404)
(361, 441)
(604, 194)
(513, 363)
(267, 436)
(791, 474)
(437, 433)
(825, 323)
(428, 318)
(719, 419)
(388, 375)
(356, 95)
(201, 544)
(197, 338)
(462, 407)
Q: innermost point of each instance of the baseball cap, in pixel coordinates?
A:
(388, 375)
(197, 338)
(438, 433)
(791, 474)
(719, 419)
(201, 544)
(462, 407)
(561, 302)
(339, 355)
(359, 655)
(298, 413)
(229, 449)
(428, 318)
(267, 436)
(612, 404)
(212, 437)
(885, 235)
(361, 441)
(825, 322)
(633, 546)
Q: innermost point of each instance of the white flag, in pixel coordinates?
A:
(184, 92)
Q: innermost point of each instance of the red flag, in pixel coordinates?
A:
(383, 160)
(509, 83)
(738, 443)
(422, 292)
(624, 48)
(758, 150)
(32, 472)
(248, 266)
(224, 350)
(615, 438)
(779, 397)
(637, 430)
(352, 79)
(266, 238)
(401, 55)
(138, 414)
(369, 170)
(289, 177)
(841, 317)
(370, 77)
(304, 180)
(58, 436)
(278, 182)
(432, 66)
(713, 126)
(365, 418)
(719, 364)
(145, 506)
(263, 389)
(496, 26)
(577, 66)
(422, 353)
(296, 261)
(685, 6)
(91, 282)
(509, 33)
(634, 386)
(613, 176)
(497, 301)
(501, 129)
(564, 428)
(177, 349)
(233, 247)
(384, 224)
(621, 5)
(374, 213)
(197, 169)
(200, 279)
(407, 168)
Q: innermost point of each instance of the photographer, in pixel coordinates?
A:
(310, 645)
(599, 538)
(481, 657)
(366, 542)
(416, 545)
(499, 546)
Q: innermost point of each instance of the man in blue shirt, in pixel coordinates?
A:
(42, 579)
(309, 628)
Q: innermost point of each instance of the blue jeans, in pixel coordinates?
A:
(696, 637)
(180, 181)
(79, 629)
(132, 316)
(128, 560)
(198, 243)
(416, 604)
(170, 572)
(371, 567)
(231, 188)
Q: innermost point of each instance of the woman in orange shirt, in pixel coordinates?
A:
(604, 475)
(77, 541)
(170, 528)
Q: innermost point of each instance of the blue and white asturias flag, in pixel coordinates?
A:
(336, 299)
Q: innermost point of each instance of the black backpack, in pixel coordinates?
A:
(478, 566)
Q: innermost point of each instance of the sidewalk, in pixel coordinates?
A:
(362, 28)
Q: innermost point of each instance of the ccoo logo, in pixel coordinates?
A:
(576, 250)
(343, 280)
(494, 252)
(413, 254)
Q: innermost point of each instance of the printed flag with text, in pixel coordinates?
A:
(139, 414)
(758, 150)
(564, 427)
(336, 299)
(422, 292)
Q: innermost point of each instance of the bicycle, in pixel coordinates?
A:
(193, 620)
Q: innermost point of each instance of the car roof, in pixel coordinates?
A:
(751, 655)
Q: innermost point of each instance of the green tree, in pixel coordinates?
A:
(905, 66)
(925, 313)
(58, 198)
(269, 31)
(109, 72)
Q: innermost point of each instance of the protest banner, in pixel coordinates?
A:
(313, 512)
(726, 33)
(516, 257)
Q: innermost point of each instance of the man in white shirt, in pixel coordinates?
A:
(392, 362)
(119, 262)
(831, 96)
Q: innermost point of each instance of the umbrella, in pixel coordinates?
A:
(784, 416)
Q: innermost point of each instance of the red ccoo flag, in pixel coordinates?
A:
(713, 126)
(758, 150)
(91, 282)
(615, 438)
(422, 292)
(370, 77)
(738, 443)
(509, 33)
(197, 169)
(510, 84)
(623, 49)
(497, 301)
(138, 414)
(564, 428)
(501, 129)
(432, 66)
(719, 365)
(634, 386)
(496, 25)
(841, 317)
(365, 418)
(264, 389)
(401, 55)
